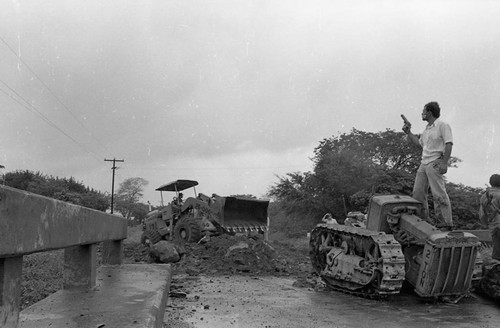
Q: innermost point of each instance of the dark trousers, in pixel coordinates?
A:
(495, 236)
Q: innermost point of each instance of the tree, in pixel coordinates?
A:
(138, 212)
(67, 190)
(128, 195)
(352, 167)
(387, 150)
(347, 167)
(385, 182)
(465, 205)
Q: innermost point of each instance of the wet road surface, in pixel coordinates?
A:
(270, 302)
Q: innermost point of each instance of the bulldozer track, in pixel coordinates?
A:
(382, 254)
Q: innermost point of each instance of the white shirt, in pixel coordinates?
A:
(433, 140)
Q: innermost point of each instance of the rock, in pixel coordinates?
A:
(243, 268)
(192, 271)
(180, 248)
(240, 245)
(177, 294)
(239, 261)
(164, 252)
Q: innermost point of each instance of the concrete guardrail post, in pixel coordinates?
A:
(10, 291)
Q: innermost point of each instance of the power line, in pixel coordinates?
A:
(34, 110)
(54, 95)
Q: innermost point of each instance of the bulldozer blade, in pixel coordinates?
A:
(242, 214)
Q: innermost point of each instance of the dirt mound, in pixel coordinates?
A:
(241, 254)
(227, 255)
(238, 254)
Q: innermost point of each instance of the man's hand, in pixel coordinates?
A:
(407, 125)
(407, 128)
(443, 167)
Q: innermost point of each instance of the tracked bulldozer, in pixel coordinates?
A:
(201, 216)
(374, 255)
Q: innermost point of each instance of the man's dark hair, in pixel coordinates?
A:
(495, 180)
(433, 107)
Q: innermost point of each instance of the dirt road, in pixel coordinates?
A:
(241, 282)
(272, 302)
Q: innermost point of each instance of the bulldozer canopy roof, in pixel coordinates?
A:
(178, 185)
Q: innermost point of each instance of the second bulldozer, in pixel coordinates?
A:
(195, 217)
(373, 256)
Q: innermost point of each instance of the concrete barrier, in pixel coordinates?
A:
(32, 223)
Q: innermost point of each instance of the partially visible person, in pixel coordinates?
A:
(436, 142)
(328, 218)
(489, 213)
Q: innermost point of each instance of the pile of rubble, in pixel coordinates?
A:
(241, 254)
(227, 255)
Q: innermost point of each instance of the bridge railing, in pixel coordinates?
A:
(32, 223)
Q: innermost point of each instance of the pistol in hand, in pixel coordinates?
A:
(407, 124)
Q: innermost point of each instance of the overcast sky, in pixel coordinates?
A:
(231, 93)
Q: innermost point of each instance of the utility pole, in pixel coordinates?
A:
(113, 180)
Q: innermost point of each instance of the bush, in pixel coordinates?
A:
(290, 225)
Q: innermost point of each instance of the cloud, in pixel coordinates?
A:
(209, 89)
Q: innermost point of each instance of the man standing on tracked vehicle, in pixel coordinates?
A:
(436, 142)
